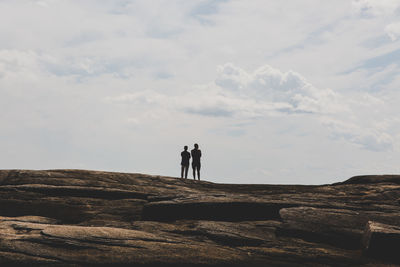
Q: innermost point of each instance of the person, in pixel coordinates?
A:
(185, 161)
(196, 155)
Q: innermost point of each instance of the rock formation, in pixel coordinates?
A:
(92, 218)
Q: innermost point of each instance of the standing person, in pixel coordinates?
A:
(185, 161)
(196, 155)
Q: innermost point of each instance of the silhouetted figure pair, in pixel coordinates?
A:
(196, 155)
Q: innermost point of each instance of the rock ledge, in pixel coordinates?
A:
(93, 218)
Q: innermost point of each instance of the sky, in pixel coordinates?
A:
(274, 92)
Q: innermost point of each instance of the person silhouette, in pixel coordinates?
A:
(185, 161)
(196, 155)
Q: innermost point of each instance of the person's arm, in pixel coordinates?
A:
(199, 153)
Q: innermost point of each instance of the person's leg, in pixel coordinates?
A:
(186, 171)
(198, 172)
(194, 171)
(182, 167)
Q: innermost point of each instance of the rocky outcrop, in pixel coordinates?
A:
(382, 241)
(92, 218)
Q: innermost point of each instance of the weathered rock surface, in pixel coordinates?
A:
(92, 218)
(382, 241)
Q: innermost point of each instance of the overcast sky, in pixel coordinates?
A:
(286, 91)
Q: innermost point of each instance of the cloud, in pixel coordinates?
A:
(123, 76)
(267, 91)
(382, 61)
(237, 92)
(389, 10)
(376, 7)
(371, 138)
(14, 62)
(145, 97)
(393, 31)
(278, 89)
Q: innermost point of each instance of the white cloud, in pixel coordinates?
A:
(237, 92)
(268, 92)
(393, 31)
(14, 62)
(286, 89)
(376, 7)
(388, 10)
(371, 138)
(119, 85)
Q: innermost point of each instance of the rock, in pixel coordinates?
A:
(382, 241)
(373, 179)
(93, 218)
(212, 209)
(339, 227)
(85, 246)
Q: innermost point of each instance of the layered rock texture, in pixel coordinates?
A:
(91, 218)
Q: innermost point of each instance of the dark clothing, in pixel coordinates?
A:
(196, 166)
(185, 158)
(184, 170)
(196, 155)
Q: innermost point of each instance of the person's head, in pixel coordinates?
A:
(196, 146)
(185, 147)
